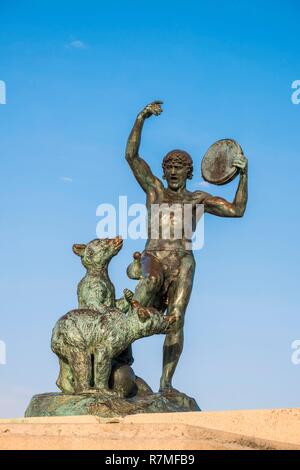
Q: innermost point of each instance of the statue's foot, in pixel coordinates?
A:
(166, 387)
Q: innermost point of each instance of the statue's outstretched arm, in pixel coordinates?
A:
(140, 168)
(221, 207)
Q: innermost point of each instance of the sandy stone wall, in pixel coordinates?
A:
(253, 429)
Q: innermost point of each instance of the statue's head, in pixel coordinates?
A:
(97, 253)
(178, 167)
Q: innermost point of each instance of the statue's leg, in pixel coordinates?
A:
(65, 378)
(151, 282)
(178, 299)
(81, 367)
(145, 293)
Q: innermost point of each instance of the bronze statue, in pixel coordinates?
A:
(95, 338)
(167, 266)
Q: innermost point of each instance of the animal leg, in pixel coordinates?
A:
(81, 367)
(102, 370)
(65, 379)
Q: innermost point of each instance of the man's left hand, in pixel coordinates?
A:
(241, 162)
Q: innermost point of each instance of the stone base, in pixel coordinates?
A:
(59, 404)
(227, 430)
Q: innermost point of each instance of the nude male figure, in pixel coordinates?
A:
(167, 265)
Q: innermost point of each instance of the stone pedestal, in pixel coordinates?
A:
(59, 404)
(224, 430)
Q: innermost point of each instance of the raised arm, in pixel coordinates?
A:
(140, 168)
(221, 207)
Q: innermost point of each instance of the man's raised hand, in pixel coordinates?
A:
(151, 109)
(240, 162)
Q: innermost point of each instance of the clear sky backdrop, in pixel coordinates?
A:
(77, 73)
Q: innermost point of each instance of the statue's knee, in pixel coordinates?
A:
(174, 342)
(178, 324)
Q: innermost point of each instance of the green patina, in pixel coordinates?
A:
(93, 342)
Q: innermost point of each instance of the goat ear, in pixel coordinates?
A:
(79, 249)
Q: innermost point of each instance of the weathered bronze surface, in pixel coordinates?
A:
(86, 341)
(93, 342)
(58, 404)
(96, 337)
(96, 288)
(217, 164)
(167, 264)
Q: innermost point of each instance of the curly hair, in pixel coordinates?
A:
(182, 157)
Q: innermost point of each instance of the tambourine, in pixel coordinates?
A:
(217, 165)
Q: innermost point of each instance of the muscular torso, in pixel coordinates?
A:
(172, 218)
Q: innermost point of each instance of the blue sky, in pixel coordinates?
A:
(77, 73)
